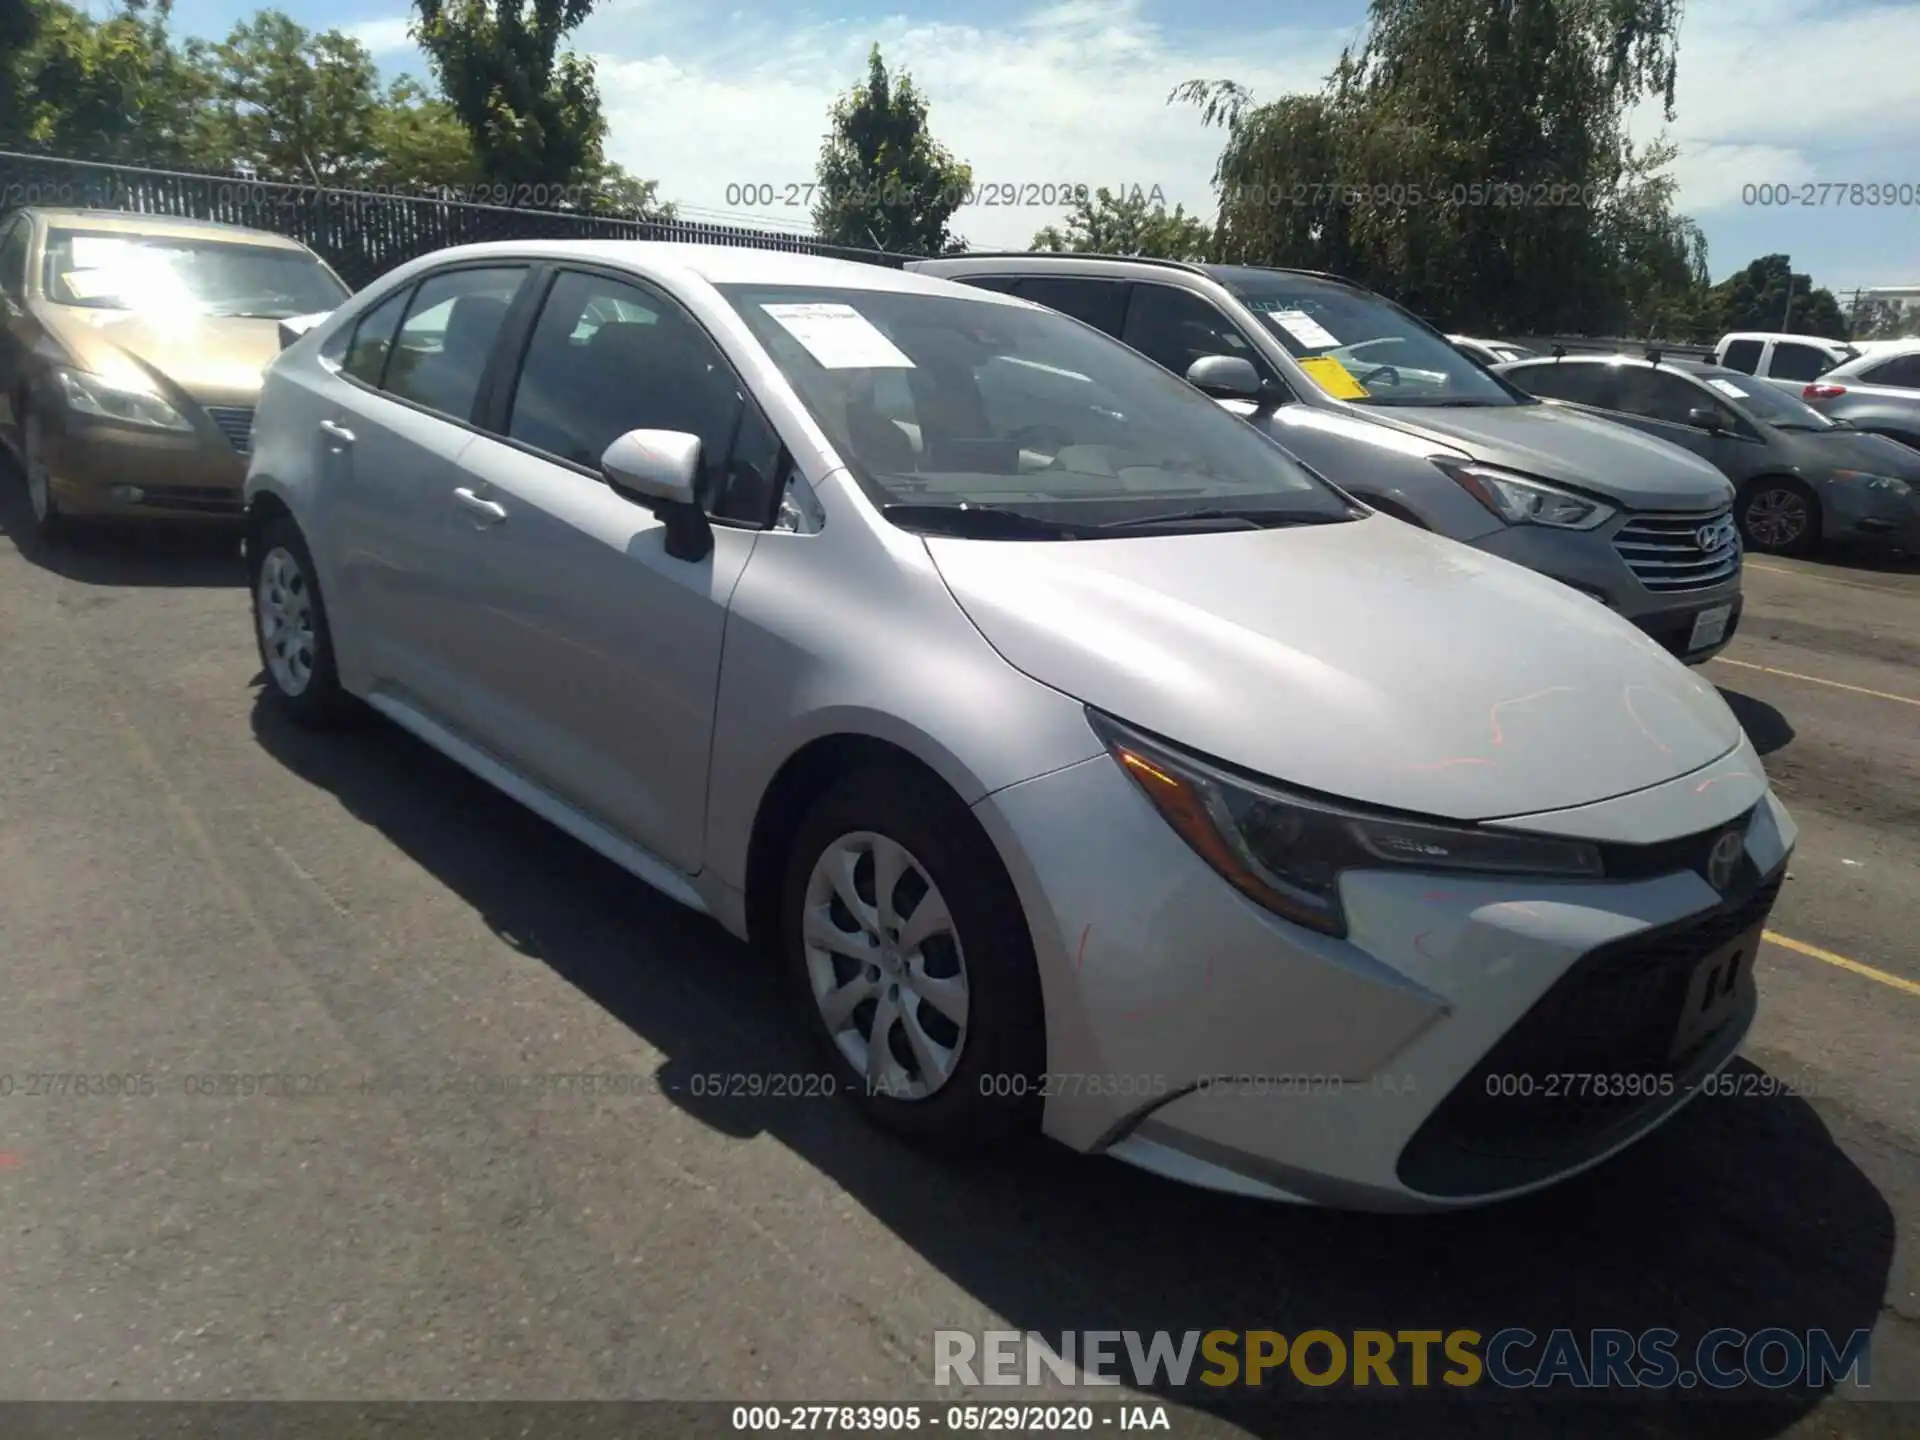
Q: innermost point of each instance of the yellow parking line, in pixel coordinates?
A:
(1815, 680)
(1814, 952)
(1774, 569)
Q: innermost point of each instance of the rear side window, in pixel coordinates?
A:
(1742, 355)
(1583, 383)
(1099, 303)
(447, 338)
(1902, 371)
(1798, 362)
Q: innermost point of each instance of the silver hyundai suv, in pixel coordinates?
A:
(1382, 405)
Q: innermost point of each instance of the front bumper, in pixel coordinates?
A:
(1592, 563)
(1851, 511)
(1194, 1033)
(100, 472)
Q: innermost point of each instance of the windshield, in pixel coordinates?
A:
(1766, 402)
(944, 400)
(105, 270)
(1357, 346)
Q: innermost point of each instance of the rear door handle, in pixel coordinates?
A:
(485, 512)
(336, 432)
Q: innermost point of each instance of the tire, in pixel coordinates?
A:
(49, 523)
(1779, 516)
(996, 1052)
(290, 627)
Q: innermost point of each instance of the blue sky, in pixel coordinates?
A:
(703, 97)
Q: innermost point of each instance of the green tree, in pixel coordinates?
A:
(288, 104)
(115, 89)
(532, 109)
(884, 182)
(417, 141)
(1768, 295)
(1471, 159)
(1134, 223)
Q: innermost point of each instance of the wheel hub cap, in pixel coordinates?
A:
(285, 607)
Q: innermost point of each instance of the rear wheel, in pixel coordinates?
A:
(906, 946)
(290, 626)
(1779, 516)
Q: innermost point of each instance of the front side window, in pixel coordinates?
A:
(1581, 381)
(1798, 362)
(608, 357)
(442, 349)
(1742, 355)
(164, 275)
(1174, 328)
(1358, 346)
(1658, 395)
(942, 401)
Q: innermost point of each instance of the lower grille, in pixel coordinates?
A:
(1665, 554)
(210, 499)
(1613, 1014)
(236, 423)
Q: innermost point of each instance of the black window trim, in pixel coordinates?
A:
(494, 403)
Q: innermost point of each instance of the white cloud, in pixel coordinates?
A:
(383, 37)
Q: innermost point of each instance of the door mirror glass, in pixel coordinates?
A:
(1701, 418)
(1225, 377)
(654, 467)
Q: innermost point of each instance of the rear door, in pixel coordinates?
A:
(592, 656)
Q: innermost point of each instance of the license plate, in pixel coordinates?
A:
(1710, 627)
(1714, 992)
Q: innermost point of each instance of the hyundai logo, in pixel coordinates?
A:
(1724, 859)
(1716, 534)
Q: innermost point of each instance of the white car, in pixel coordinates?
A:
(1087, 763)
(1491, 352)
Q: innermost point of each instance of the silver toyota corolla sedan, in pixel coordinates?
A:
(1090, 765)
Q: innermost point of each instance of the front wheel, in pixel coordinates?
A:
(906, 945)
(49, 523)
(1779, 516)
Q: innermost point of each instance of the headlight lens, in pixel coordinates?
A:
(90, 395)
(1875, 482)
(1287, 852)
(1520, 500)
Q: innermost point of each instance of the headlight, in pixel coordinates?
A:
(90, 395)
(1287, 852)
(1874, 482)
(1519, 500)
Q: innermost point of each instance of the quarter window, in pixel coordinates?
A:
(443, 347)
(368, 341)
(608, 357)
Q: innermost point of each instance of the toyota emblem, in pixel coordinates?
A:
(1724, 859)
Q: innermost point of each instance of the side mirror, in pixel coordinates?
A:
(1701, 418)
(1225, 377)
(294, 326)
(660, 469)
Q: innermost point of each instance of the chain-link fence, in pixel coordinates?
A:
(361, 233)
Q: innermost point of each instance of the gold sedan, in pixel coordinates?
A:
(132, 354)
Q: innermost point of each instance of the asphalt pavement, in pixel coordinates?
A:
(190, 889)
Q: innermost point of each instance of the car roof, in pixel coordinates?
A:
(984, 262)
(162, 227)
(722, 264)
(1824, 342)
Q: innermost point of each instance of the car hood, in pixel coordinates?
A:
(1855, 450)
(1616, 461)
(213, 359)
(1368, 660)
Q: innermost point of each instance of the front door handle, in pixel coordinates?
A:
(485, 512)
(336, 432)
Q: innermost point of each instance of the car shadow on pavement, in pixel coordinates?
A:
(1868, 555)
(1742, 1212)
(1766, 727)
(178, 557)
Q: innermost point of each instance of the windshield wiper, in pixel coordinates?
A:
(1222, 519)
(983, 522)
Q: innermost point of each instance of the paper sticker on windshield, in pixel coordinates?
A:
(91, 252)
(1727, 387)
(1334, 378)
(92, 284)
(1304, 328)
(839, 337)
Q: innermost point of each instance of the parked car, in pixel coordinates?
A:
(1879, 391)
(1791, 359)
(131, 356)
(1416, 429)
(1490, 352)
(1045, 720)
(1800, 476)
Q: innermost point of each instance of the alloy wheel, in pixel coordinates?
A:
(284, 603)
(885, 965)
(1777, 518)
